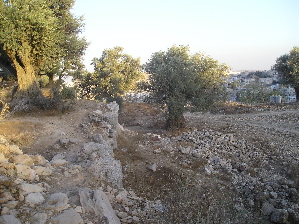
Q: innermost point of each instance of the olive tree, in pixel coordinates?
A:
(287, 67)
(178, 78)
(38, 35)
(115, 73)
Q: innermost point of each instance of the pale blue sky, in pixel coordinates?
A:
(245, 34)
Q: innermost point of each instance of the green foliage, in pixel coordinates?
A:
(43, 81)
(115, 73)
(40, 35)
(72, 45)
(256, 93)
(178, 78)
(29, 26)
(68, 93)
(287, 66)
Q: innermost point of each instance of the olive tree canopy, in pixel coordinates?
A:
(287, 67)
(178, 78)
(39, 35)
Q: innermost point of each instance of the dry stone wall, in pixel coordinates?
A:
(83, 186)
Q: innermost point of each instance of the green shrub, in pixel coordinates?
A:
(68, 93)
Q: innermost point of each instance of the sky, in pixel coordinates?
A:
(244, 34)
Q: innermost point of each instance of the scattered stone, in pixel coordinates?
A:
(97, 203)
(3, 158)
(57, 202)
(59, 162)
(30, 188)
(122, 196)
(208, 170)
(14, 149)
(10, 204)
(122, 215)
(23, 159)
(34, 199)
(98, 139)
(43, 171)
(5, 211)
(152, 167)
(185, 150)
(39, 218)
(108, 169)
(25, 172)
(5, 197)
(39, 160)
(64, 142)
(9, 219)
(69, 216)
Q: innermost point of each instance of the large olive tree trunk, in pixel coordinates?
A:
(175, 114)
(28, 91)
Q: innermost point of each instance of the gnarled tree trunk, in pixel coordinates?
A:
(28, 91)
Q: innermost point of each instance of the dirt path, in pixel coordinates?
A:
(37, 133)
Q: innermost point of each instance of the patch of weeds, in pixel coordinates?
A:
(127, 150)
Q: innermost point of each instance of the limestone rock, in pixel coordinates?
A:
(3, 140)
(98, 138)
(7, 168)
(57, 202)
(25, 172)
(64, 142)
(69, 216)
(23, 159)
(185, 150)
(97, 202)
(107, 169)
(34, 199)
(102, 149)
(58, 162)
(10, 204)
(9, 219)
(39, 218)
(42, 170)
(13, 149)
(30, 188)
(121, 196)
(152, 167)
(3, 158)
(39, 160)
(5, 197)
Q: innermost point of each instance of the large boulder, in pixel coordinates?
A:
(97, 202)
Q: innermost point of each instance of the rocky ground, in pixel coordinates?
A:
(239, 164)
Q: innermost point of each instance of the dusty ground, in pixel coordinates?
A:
(188, 194)
(180, 182)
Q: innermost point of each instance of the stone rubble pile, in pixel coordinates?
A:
(253, 172)
(72, 188)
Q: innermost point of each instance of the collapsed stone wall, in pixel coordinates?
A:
(83, 186)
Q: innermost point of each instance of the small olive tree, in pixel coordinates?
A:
(115, 73)
(178, 78)
(287, 67)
